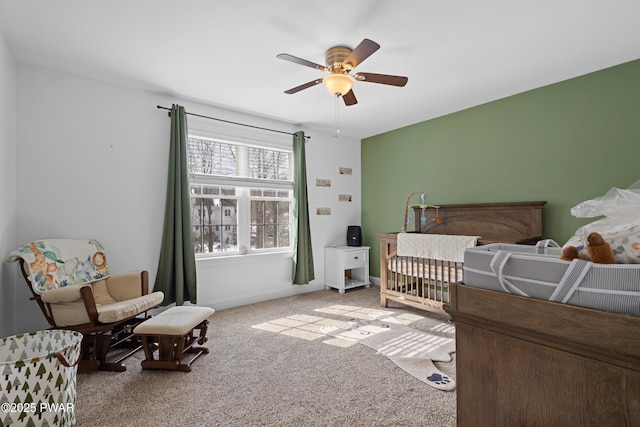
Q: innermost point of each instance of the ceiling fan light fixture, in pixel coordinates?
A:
(338, 84)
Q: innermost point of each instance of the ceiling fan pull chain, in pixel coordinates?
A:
(337, 134)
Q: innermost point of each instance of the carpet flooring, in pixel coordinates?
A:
(270, 364)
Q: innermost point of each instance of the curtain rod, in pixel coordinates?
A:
(233, 123)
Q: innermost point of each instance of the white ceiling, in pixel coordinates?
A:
(456, 53)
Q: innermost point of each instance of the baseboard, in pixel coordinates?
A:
(254, 298)
(225, 303)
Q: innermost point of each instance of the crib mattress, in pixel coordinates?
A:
(522, 270)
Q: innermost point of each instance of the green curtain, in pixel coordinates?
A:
(302, 254)
(177, 266)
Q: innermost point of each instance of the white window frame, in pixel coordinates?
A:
(243, 186)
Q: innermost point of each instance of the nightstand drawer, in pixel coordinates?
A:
(355, 259)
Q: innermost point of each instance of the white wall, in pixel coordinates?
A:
(92, 160)
(8, 215)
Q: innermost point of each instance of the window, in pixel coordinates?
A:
(241, 195)
(270, 213)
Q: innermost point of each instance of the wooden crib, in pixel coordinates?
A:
(423, 282)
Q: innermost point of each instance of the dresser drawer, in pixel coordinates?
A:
(355, 259)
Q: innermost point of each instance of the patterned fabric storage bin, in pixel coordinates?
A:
(537, 272)
(38, 378)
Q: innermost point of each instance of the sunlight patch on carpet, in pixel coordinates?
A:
(368, 314)
(301, 333)
(353, 311)
(412, 350)
(300, 326)
(447, 328)
(382, 330)
(385, 331)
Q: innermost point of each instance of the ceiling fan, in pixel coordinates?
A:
(340, 61)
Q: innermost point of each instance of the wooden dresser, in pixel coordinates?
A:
(527, 362)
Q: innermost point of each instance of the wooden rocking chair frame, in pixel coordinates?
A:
(99, 338)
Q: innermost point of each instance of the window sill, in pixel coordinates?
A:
(233, 259)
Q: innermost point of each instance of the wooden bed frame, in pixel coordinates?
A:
(516, 222)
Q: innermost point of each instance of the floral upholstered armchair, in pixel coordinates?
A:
(71, 282)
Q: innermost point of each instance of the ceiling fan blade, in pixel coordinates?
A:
(384, 79)
(359, 54)
(303, 86)
(349, 98)
(300, 61)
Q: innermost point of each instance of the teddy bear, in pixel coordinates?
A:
(597, 250)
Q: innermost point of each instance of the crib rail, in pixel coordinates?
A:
(421, 282)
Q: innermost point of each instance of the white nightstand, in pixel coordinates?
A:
(343, 261)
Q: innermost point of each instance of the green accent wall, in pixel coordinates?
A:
(563, 143)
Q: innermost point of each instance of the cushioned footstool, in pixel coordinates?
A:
(173, 331)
